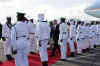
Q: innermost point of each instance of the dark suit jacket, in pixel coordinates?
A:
(55, 32)
(0, 31)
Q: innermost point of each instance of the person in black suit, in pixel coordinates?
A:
(55, 36)
(0, 31)
(0, 36)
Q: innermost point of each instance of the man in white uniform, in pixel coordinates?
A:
(19, 37)
(86, 36)
(63, 38)
(98, 34)
(92, 35)
(6, 36)
(31, 27)
(80, 37)
(95, 25)
(43, 35)
(72, 37)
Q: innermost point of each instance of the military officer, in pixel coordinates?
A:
(92, 35)
(86, 36)
(19, 37)
(95, 38)
(63, 38)
(72, 37)
(98, 34)
(79, 37)
(6, 37)
(43, 35)
(31, 27)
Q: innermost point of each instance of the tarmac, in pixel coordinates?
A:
(86, 59)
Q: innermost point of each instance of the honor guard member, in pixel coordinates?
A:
(98, 34)
(86, 36)
(82, 37)
(95, 27)
(79, 38)
(6, 37)
(96, 39)
(92, 35)
(43, 35)
(19, 37)
(31, 27)
(72, 37)
(63, 38)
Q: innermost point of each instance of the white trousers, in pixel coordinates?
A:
(63, 45)
(31, 43)
(71, 43)
(79, 46)
(7, 46)
(21, 58)
(92, 42)
(43, 51)
(98, 40)
(85, 43)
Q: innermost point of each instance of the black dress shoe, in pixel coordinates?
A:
(32, 53)
(94, 46)
(72, 54)
(45, 63)
(84, 50)
(0, 62)
(9, 57)
(79, 54)
(62, 60)
(52, 55)
(88, 49)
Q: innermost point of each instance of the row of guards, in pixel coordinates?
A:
(73, 38)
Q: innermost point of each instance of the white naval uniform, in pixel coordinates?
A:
(73, 36)
(6, 32)
(19, 35)
(32, 29)
(98, 35)
(43, 35)
(86, 36)
(64, 37)
(95, 41)
(92, 36)
(80, 39)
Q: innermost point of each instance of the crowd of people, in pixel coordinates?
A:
(19, 39)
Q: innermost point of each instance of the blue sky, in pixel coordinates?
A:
(51, 8)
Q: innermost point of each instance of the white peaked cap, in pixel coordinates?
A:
(41, 17)
(71, 22)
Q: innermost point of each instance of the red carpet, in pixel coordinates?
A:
(34, 60)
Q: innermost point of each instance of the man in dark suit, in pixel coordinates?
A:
(0, 30)
(55, 36)
(0, 36)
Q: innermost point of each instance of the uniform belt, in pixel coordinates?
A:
(20, 37)
(64, 32)
(6, 37)
(31, 33)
